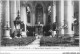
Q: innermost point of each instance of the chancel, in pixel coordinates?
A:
(49, 20)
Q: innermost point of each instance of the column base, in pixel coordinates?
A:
(7, 37)
(24, 34)
(7, 34)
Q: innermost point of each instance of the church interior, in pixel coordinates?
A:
(50, 21)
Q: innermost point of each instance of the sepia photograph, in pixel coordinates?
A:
(39, 23)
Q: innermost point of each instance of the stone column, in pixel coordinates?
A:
(44, 16)
(60, 17)
(13, 14)
(0, 20)
(14, 8)
(76, 15)
(54, 12)
(7, 21)
(0, 9)
(68, 17)
(79, 23)
(33, 16)
(17, 5)
(53, 16)
(23, 18)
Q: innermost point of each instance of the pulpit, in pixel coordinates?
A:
(17, 24)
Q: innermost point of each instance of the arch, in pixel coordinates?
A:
(42, 4)
(39, 13)
(29, 13)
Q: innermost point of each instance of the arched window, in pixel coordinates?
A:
(39, 14)
(49, 14)
(28, 14)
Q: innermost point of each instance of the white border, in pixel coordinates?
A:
(38, 50)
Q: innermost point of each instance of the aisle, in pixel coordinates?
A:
(35, 43)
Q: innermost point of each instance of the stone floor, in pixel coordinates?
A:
(36, 42)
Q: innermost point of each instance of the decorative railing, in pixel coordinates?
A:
(62, 27)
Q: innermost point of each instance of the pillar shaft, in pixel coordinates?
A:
(7, 20)
(44, 16)
(17, 5)
(68, 17)
(13, 14)
(33, 16)
(54, 12)
(54, 16)
(14, 7)
(33, 19)
(0, 21)
(60, 17)
(23, 18)
(0, 10)
(79, 22)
